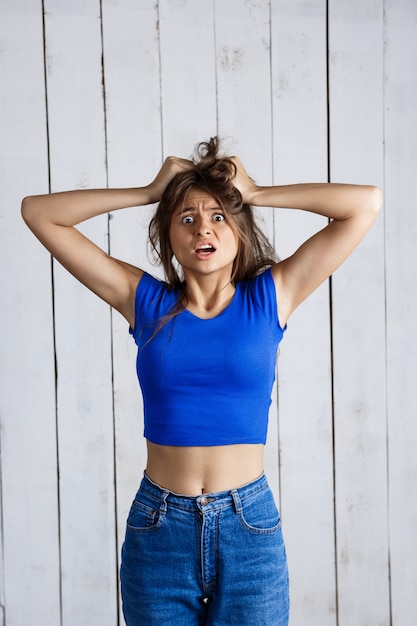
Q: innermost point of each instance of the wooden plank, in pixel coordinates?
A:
(244, 87)
(299, 85)
(244, 121)
(401, 276)
(2, 599)
(131, 62)
(188, 81)
(356, 116)
(82, 324)
(27, 395)
(244, 80)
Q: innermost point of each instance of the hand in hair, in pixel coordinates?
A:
(243, 182)
(171, 167)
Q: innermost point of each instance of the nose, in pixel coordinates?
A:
(203, 225)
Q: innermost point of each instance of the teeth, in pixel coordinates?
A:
(205, 246)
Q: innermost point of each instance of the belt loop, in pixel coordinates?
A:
(236, 500)
(163, 506)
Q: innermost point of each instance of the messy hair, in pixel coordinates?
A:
(213, 174)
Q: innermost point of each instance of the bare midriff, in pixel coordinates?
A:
(195, 470)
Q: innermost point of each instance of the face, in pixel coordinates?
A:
(202, 240)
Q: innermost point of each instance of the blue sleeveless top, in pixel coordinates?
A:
(207, 382)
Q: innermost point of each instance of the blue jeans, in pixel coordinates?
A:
(214, 559)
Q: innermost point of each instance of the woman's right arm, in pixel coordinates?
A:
(53, 217)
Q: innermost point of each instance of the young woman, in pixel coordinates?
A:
(203, 541)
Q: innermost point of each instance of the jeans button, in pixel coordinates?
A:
(203, 501)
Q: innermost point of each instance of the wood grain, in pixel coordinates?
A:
(129, 82)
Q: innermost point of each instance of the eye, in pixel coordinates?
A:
(187, 219)
(219, 217)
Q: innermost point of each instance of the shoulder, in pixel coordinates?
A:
(261, 285)
(154, 298)
(149, 287)
(264, 288)
(262, 291)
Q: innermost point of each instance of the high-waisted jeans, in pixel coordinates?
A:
(213, 559)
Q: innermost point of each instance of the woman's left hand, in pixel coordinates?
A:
(243, 182)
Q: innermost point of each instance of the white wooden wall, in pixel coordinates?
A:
(96, 93)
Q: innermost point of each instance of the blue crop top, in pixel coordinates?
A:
(207, 382)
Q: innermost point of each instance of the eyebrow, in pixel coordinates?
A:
(195, 209)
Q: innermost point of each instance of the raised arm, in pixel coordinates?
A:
(352, 210)
(53, 217)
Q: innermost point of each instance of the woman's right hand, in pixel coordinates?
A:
(171, 167)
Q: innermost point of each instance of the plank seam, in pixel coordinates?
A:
(2, 592)
(48, 152)
(389, 565)
(274, 242)
(111, 329)
(331, 322)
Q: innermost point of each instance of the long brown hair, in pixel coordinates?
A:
(214, 174)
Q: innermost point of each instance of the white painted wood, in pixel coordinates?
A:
(226, 68)
(243, 48)
(82, 324)
(242, 36)
(358, 322)
(188, 81)
(242, 32)
(2, 600)
(305, 409)
(132, 83)
(401, 280)
(27, 398)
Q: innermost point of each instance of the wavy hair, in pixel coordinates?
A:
(213, 174)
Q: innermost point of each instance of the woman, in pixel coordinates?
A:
(203, 540)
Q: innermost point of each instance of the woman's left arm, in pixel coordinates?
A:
(352, 210)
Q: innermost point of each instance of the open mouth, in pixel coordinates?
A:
(205, 250)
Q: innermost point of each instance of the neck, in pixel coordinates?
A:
(206, 296)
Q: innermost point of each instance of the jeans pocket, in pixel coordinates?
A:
(142, 517)
(259, 514)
